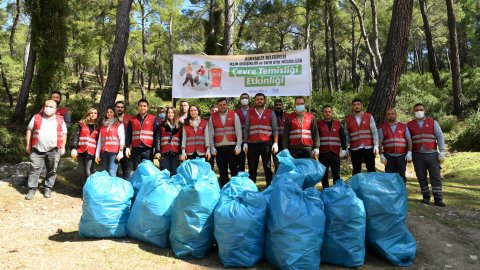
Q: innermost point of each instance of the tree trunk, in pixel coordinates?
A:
(117, 55)
(432, 61)
(126, 98)
(18, 116)
(455, 61)
(241, 26)
(144, 48)
(394, 60)
(333, 46)
(100, 68)
(14, 28)
(307, 23)
(5, 83)
(327, 50)
(353, 57)
(228, 29)
(376, 47)
(170, 43)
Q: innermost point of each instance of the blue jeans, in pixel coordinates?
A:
(109, 163)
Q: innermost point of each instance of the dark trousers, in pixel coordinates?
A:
(428, 162)
(360, 155)
(109, 163)
(139, 154)
(241, 161)
(188, 78)
(170, 162)
(396, 165)
(305, 152)
(274, 156)
(331, 161)
(194, 156)
(38, 159)
(126, 166)
(85, 163)
(212, 162)
(255, 151)
(226, 159)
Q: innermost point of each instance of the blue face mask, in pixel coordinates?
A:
(300, 108)
(161, 115)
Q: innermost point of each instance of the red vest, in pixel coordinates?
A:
(329, 139)
(227, 130)
(394, 143)
(423, 136)
(243, 119)
(109, 139)
(260, 128)
(359, 134)
(168, 144)
(126, 120)
(281, 123)
(142, 133)
(196, 139)
(301, 133)
(37, 123)
(87, 142)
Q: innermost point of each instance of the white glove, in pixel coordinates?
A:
(208, 154)
(237, 150)
(315, 152)
(119, 155)
(74, 153)
(184, 155)
(127, 152)
(245, 148)
(375, 150)
(213, 151)
(275, 148)
(408, 157)
(61, 151)
(383, 159)
(441, 156)
(343, 153)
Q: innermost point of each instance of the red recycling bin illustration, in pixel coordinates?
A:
(216, 77)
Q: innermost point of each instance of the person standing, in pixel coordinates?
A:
(242, 115)
(110, 142)
(188, 75)
(260, 129)
(426, 137)
(225, 133)
(395, 144)
(362, 135)
(333, 144)
(45, 143)
(141, 133)
(57, 97)
(195, 139)
(170, 132)
(84, 143)
(300, 133)
(281, 116)
(183, 111)
(213, 109)
(125, 119)
(161, 114)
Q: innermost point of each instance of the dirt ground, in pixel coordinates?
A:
(43, 234)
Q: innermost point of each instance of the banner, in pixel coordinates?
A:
(273, 74)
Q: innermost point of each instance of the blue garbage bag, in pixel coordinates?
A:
(295, 227)
(191, 233)
(106, 206)
(311, 168)
(290, 179)
(145, 172)
(240, 219)
(150, 217)
(194, 169)
(385, 198)
(344, 241)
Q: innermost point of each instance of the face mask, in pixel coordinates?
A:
(49, 110)
(419, 114)
(244, 101)
(161, 115)
(300, 108)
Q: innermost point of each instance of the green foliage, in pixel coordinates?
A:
(448, 123)
(12, 142)
(469, 137)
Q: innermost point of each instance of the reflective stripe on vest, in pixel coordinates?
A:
(423, 136)
(109, 141)
(143, 133)
(359, 134)
(227, 130)
(87, 142)
(300, 133)
(260, 128)
(169, 143)
(37, 124)
(329, 139)
(394, 143)
(195, 141)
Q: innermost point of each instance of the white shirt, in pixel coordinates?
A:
(47, 137)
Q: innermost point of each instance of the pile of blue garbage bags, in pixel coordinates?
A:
(291, 224)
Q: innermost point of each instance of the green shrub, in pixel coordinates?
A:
(468, 138)
(12, 146)
(448, 123)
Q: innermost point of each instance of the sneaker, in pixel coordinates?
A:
(439, 203)
(47, 193)
(30, 194)
(426, 200)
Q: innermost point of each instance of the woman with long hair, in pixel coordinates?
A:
(195, 139)
(84, 142)
(110, 142)
(170, 135)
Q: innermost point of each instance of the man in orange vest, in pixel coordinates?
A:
(125, 119)
(242, 114)
(142, 135)
(260, 129)
(426, 134)
(333, 144)
(300, 133)
(362, 135)
(281, 117)
(45, 143)
(395, 144)
(225, 133)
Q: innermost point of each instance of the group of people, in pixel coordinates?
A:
(233, 138)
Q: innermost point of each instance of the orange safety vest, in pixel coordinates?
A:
(423, 136)
(300, 133)
(196, 139)
(227, 130)
(37, 123)
(109, 139)
(329, 139)
(169, 143)
(394, 143)
(87, 142)
(359, 134)
(142, 133)
(260, 128)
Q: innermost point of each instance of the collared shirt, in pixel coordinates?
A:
(128, 135)
(47, 137)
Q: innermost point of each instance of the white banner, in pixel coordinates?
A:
(273, 74)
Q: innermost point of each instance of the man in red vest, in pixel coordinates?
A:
(45, 143)
(57, 97)
(281, 117)
(242, 114)
(333, 144)
(426, 134)
(142, 135)
(395, 144)
(225, 133)
(125, 119)
(260, 129)
(362, 135)
(300, 133)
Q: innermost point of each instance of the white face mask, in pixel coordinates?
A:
(244, 101)
(419, 114)
(49, 111)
